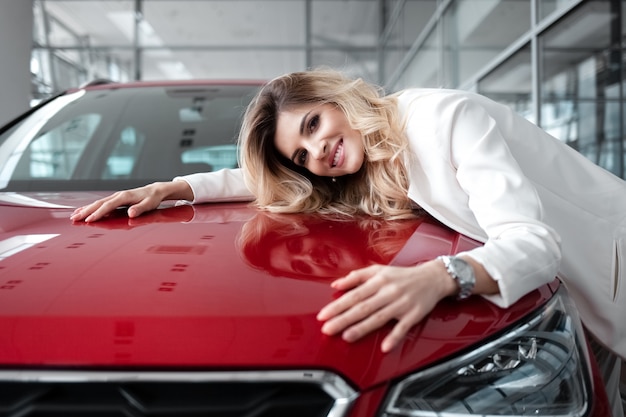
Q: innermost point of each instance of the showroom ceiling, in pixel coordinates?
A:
(228, 38)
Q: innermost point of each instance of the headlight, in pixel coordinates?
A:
(539, 367)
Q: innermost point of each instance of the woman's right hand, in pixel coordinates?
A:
(139, 200)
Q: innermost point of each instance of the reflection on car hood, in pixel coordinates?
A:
(197, 287)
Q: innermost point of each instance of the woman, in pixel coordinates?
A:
(318, 142)
(310, 248)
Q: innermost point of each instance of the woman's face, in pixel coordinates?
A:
(322, 254)
(319, 138)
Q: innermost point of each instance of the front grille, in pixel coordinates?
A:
(182, 394)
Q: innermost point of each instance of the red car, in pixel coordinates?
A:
(209, 310)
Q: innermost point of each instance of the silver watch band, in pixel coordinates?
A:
(462, 273)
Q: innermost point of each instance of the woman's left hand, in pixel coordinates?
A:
(379, 293)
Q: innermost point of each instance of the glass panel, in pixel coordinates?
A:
(237, 64)
(354, 63)
(68, 71)
(623, 141)
(124, 156)
(414, 16)
(42, 75)
(111, 134)
(93, 22)
(223, 23)
(511, 83)
(622, 98)
(342, 23)
(81, 35)
(60, 35)
(609, 151)
(475, 31)
(55, 153)
(112, 64)
(580, 102)
(547, 7)
(425, 69)
(39, 25)
(184, 39)
(211, 158)
(389, 6)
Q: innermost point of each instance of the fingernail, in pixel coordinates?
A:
(348, 336)
(386, 346)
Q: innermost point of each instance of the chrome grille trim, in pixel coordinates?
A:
(335, 386)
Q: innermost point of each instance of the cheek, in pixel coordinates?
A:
(316, 167)
(357, 151)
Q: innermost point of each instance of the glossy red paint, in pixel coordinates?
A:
(209, 287)
(198, 287)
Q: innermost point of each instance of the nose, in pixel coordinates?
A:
(318, 150)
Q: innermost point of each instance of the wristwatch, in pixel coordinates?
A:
(462, 272)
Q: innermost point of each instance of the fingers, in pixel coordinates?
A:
(82, 213)
(96, 210)
(365, 308)
(374, 313)
(400, 330)
(355, 278)
(138, 201)
(376, 296)
(140, 208)
(359, 328)
(354, 307)
(352, 280)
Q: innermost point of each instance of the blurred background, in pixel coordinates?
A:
(557, 62)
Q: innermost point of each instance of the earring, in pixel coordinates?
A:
(334, 179)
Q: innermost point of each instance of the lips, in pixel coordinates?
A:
(338, 155)
(332, 257)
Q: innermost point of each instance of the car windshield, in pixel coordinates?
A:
(114, 138)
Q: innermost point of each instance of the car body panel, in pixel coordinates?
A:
(171, 289)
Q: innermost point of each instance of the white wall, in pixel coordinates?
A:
(16, 38)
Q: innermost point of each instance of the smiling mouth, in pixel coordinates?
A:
(330, 256)
(338, 154)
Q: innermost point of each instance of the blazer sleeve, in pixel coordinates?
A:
(225, 185)
(521, 252)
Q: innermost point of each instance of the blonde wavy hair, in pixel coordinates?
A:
(378, 189)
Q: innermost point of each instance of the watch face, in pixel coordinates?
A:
(463, 270)
(464, 276)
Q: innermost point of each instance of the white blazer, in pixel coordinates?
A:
(541, 208)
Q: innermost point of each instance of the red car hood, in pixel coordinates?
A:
(186, 287)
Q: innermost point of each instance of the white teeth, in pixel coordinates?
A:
(337, 154)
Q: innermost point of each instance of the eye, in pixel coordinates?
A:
(294, 245)
(313, 123)
(301, 157)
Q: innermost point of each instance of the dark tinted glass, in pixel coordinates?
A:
(116, 138)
